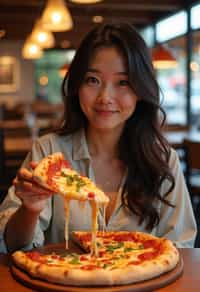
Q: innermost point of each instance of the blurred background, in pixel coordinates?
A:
(39, 52)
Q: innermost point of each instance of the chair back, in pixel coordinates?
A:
(192, 150)
(2, 153)
(192, 158)
(176, 127)
(17, 132)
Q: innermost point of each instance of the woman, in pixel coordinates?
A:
(111, 133)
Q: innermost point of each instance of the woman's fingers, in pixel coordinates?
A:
(25, 174)
(31, 196)
(33, 164)
(24, 182)
(34, 188)
(30, 187)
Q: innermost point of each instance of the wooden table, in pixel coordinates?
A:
(17, 145)
(20, 124)
(176, 138)
(189, 281)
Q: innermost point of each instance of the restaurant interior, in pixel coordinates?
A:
(34, 60)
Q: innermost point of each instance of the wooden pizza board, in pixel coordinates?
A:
(40, 285)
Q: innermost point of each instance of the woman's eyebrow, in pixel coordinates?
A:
(92, 70)
(122, 73)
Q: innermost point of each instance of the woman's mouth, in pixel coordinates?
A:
(105, 113)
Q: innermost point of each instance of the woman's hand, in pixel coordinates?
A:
(32, 195)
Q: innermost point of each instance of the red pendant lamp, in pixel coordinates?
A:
(163, 58)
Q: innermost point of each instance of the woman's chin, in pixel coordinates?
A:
(107, 127)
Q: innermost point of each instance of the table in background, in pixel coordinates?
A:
(17, 145)
(10, 124)
(176, 138)
(189, 281)
(15, 151)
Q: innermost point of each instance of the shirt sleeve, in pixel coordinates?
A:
(11, 203)
(177, 223)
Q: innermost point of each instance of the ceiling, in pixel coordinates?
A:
(17, 17)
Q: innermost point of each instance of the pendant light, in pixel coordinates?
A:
(86, 1)
(31, 50)
(163, 58)
(56, 16)
(43, 37)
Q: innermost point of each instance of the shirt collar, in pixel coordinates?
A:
(79, 146)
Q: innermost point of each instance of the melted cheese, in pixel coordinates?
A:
(73, 186)
(104, 218)
(95, 211)
(66, 206)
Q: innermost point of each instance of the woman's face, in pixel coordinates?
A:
(105, 95)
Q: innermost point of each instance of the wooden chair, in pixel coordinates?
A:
(13, 113)
(192, 158)
(10, 161)
(192, 155)
(175, 134)
(5, 180)
(2, 153)
(17, 132)
(176, 127)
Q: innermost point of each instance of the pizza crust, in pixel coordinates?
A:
(40, 172)
(66, 275)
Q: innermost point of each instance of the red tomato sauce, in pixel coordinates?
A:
(125, 237)
(36, 256)
(54, 168)
(90, 267)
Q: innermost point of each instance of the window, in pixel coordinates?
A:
(148, 35)
(48, 76)
(195, 19)
(173, 83)
(195, 79)
(171, 27)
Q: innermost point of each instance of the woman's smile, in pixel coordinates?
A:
(105, 113)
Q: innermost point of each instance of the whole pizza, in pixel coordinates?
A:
(109, 258)
(123, 258)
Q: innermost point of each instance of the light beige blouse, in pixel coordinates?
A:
(177, 224)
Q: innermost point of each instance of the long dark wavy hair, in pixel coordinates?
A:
(142, 147)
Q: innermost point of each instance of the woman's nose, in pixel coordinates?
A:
(106, 94)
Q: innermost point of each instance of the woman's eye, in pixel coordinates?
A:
(91, 80)
(124, 83)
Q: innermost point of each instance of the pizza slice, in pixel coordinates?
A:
(55, 173)
(109, 241)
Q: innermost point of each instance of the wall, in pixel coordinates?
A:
(25, 91)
